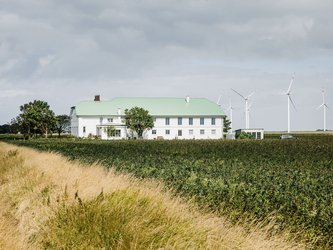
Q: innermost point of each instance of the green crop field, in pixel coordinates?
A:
(290, 181)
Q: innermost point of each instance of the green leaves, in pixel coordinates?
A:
(36, 117)
(138, 120)
(63, 123)
(226, 125)
(110, 130)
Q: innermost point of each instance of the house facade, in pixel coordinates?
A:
(174, 118)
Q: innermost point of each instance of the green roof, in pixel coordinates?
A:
(157, 106)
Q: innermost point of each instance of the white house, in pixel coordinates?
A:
(174, 118)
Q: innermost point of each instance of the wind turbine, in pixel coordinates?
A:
(288, 94)
(324, 106)
(246, 99)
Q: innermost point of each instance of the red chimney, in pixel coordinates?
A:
(97, 98)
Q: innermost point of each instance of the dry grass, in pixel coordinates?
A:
(48, 202)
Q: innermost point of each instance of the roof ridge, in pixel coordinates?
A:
(155, 105)
(123, 97)
(158, 97)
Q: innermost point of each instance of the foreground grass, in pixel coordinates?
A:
(47, 202)
(290, 179)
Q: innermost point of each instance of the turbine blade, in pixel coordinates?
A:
(250, 95)
(291, 100)
(218, 101)
(238, 93)
(291, 83)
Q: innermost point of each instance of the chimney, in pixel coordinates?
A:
(187, 99)
(97, 98)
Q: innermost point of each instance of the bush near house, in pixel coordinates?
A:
(245, 135)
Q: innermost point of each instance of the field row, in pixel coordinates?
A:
(291, 180)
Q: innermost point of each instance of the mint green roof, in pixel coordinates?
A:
(161, 106)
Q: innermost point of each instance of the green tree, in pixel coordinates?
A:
(110, 131)
(36, 117)
(138, 120)
(62, 123)
(226, 125)
(14, 126)
(5, 129)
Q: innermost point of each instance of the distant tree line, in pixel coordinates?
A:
(36, 119)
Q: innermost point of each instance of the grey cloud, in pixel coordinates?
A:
(75, 49)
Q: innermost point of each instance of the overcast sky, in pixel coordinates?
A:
(65, 51)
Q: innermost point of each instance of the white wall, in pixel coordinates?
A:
(161, 127)
(74, 124)
(91, 123)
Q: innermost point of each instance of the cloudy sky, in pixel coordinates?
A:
(67, 51)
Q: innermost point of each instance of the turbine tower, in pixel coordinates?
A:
(324, 106)
(248, 112)
(247, 116)
(288, 94)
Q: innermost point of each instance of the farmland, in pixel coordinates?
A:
(48, 202)
(289, 181)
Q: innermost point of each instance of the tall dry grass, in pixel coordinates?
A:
(48, 202)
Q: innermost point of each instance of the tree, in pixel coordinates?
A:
(5, 129)
(36, 117)
(14, 126)
(138, 120)
(62, 124)
(226, 125)
(110, 131)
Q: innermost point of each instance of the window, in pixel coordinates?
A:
(167, 132)
(202, 121)
(115, 133)
(213, 120)
(190, 121)
(110, 119)
(180, 132)
(167, 121)
(118, 133)
(258, 135)
(154, 119)
(180, 120)
(202, 131)
(84, 129)
(213, 131)
(153, 131)
(190, 132)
